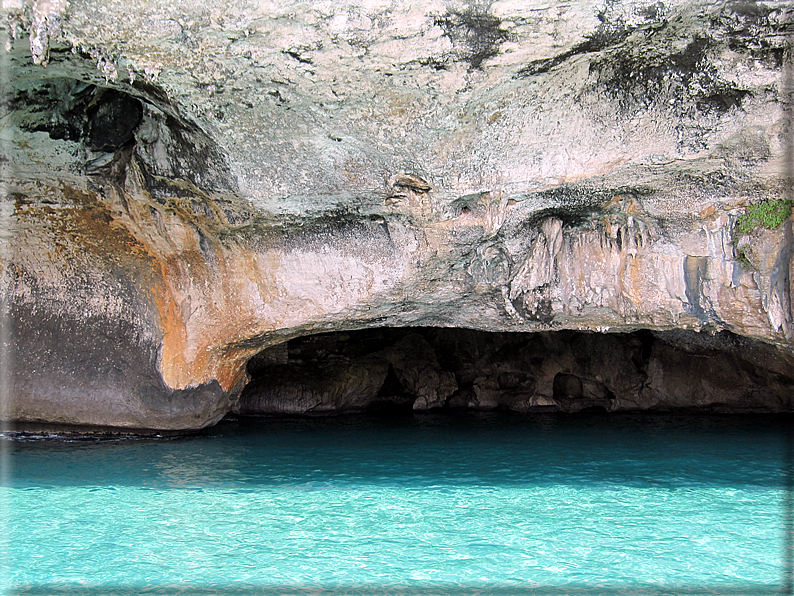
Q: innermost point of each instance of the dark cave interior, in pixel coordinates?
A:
(424, 368)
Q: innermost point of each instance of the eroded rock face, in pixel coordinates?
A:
(187, 184)
(567, 371)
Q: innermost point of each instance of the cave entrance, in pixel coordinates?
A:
(404, 370)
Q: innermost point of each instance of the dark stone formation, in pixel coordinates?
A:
(114, 121)
(568, 371)
(103, 120)
(71, 110)
(341, 372)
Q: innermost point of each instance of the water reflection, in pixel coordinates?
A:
(670, 451)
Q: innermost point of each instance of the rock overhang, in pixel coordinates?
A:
(293, 170)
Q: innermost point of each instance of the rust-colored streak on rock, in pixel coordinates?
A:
(124, 236)
(210, 298)
(173, 367)
(111, 227)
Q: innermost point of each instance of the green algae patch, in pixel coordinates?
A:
(769, 215)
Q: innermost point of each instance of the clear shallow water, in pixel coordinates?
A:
(658, 504)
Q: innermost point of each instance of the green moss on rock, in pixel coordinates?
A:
(769, 215)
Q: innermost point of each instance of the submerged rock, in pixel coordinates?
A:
(187, 185)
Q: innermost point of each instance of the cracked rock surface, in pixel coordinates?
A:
(188, 183)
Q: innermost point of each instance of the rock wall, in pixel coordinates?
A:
(186, 184)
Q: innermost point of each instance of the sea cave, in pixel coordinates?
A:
(372, 297)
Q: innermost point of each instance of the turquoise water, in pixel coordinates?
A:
(659, 504)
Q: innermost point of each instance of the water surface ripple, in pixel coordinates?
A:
(446, 504)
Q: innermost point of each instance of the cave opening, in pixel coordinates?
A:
(405, 370)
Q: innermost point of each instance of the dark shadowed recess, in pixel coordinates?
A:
(111, 125)
(403, 370)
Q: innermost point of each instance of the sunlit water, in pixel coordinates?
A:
(658, 504)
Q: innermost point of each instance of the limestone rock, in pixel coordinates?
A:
(416, 366)
(187, 184)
